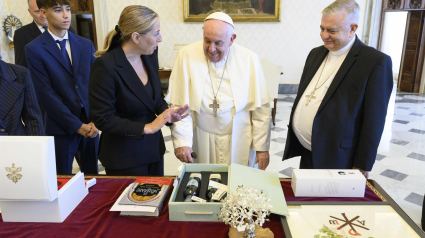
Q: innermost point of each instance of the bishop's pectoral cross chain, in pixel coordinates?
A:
(309, 97)
(215, 106)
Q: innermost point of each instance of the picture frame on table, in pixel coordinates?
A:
(239, 10)
(349, 218)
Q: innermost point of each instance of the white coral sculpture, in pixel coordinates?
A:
(246, 207)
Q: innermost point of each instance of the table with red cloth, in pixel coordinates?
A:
(92, 217)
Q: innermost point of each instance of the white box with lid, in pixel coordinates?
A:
(28, 182)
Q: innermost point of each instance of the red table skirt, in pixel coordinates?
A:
(92, 218)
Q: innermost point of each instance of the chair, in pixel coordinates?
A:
(271, 74)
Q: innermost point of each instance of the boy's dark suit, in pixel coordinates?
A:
(63, 92)
(22, 37)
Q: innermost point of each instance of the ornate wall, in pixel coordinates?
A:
(286, 43)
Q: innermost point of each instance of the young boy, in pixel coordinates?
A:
(60, 62)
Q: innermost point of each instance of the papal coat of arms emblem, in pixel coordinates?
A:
(14, 173)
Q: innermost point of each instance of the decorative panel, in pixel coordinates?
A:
(394, 4)
(414, 4)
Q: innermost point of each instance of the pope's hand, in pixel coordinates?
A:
(262, 158)
(184, 154)
(179, 114)
(159, 122)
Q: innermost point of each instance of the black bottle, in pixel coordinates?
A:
(193, 186)
(211, 190)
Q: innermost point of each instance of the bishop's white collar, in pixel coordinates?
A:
(343, 50)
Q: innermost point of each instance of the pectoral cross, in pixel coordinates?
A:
(311, 96)
(214, 106)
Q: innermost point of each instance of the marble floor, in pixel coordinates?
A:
(400, 162)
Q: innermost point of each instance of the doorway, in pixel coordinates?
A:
(403, 38)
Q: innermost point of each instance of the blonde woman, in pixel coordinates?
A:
(126, 101)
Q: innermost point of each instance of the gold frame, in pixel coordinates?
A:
(235, 18)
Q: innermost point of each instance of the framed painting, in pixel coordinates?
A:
(239, 10)
(343, 218)
(344, 221)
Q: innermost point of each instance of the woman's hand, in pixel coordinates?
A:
(159, 122)
(179, 114)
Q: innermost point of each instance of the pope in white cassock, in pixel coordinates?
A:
(224, 85)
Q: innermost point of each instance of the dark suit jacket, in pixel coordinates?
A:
(18, 102)
(423, 216)
(120, 108)
(349, 123)
(61, 89)
(22, 37)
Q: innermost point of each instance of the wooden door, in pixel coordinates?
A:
(83, 12)
(413, 57)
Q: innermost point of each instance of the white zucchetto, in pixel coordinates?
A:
(220, 16)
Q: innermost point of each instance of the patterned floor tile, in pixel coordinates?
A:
(406, 100)
(399, 142)
(401, 122)
(279, 140)
(287, 172)
(280, 154)
(287, 99)
(416, 114)
(417, 131)
(277, 129)
(415, 96)
(380, 157)
(394, 175)
(417, 156)
(415, 199)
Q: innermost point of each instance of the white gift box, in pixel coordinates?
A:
(28, 182)
(328, 183)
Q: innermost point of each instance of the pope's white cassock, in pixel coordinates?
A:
(243, 121)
